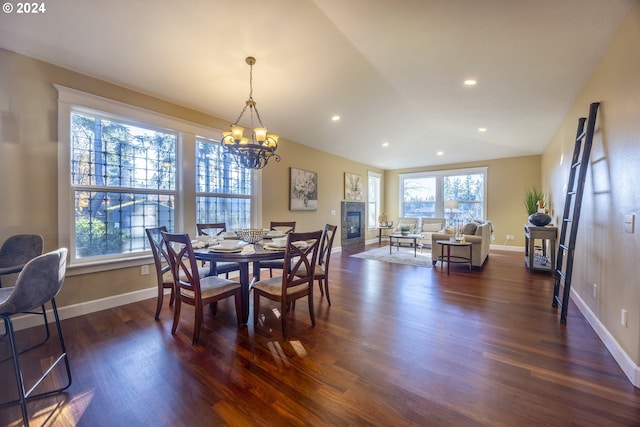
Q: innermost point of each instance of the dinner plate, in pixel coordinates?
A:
(272, 234)
(271, 247)
(227, 250)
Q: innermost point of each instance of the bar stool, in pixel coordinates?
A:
(38, 283)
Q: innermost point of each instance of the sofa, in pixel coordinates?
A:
(478, 233)
(428, 226)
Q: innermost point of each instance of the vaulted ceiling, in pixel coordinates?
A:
(393, 70)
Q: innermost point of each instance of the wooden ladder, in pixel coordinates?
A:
(572, 206)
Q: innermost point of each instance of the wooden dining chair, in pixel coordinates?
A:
(162, 264)
(212, 229)
(216, 229)
(286, 227)
(324, 256)
(193, 290)
(301, 254)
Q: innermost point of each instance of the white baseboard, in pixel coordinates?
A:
(508, 248)
(31, 320)
(631, 370)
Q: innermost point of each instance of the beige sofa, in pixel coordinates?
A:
(428, 226)
(480, 240)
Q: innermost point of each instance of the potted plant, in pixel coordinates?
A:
(535, 199)
(404, 229)
(532, 197)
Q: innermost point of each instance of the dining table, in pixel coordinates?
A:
(262, 252)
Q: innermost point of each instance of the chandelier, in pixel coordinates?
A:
(253, 153)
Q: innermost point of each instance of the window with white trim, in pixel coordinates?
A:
(122, 169)
(423, 193)
(374, 199)
(223, 188)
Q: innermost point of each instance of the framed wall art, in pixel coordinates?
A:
(303, 190)
(353, 187)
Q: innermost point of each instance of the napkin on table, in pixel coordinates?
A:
(248, 250)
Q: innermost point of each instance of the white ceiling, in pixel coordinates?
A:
(392, 69)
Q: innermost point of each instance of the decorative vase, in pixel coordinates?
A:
(539, 219)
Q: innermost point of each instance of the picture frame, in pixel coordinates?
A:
(353, 187)
(303, 190)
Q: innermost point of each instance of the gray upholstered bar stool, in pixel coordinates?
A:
(38, 283)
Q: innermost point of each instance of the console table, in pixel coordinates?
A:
(546, 234)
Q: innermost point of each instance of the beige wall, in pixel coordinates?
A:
(28, 167)
(507, 180)
(605, 255)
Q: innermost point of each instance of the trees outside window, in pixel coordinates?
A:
(423, 194)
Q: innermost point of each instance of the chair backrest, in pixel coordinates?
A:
(39, 282)
(286, 227)
(183, 262)
(326, 243)
(160, 256)
(213, 229)
(19, 249)
(300, 256)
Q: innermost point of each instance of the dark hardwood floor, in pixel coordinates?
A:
(400, 346)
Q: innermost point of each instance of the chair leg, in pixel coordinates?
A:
(311, 312)
(25, 396)
(320, 286)
(213, 307)
(326, 289)
(238, 299)
(197, 324)
(256, 308)
(283, 315)
(160, 300)
(176, 315)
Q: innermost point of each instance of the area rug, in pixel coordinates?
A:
(402, 256)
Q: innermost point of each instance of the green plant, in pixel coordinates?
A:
(532, 196)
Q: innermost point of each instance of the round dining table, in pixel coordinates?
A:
(261, 254)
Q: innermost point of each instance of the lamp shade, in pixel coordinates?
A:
(451, 204)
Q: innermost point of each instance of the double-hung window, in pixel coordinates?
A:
(374, 199)
(123, 180)
(223, 188)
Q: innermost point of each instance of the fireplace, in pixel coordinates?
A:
(352, 227)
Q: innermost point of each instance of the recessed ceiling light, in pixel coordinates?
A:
(482, 129)
(385, 144)
(335, 118)
(470, 82)
(440, 153)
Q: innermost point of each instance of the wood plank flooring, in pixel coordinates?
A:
(400, 346)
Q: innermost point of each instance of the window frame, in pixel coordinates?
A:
(440, 176)
(378, 200)
(185, 196)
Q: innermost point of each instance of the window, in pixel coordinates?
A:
(223, 188)
(122, 169)
(373, 199)
(123, 181)
(424, 193)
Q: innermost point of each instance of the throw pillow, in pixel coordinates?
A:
(431, 227)
(450, 230)
(470, 228)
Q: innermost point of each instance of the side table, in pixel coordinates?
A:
(546, 233)
(453, 258)
(380, 233)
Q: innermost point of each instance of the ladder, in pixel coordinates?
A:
(572, 206)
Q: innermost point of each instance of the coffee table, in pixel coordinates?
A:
(399, 237)
(453, 258)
